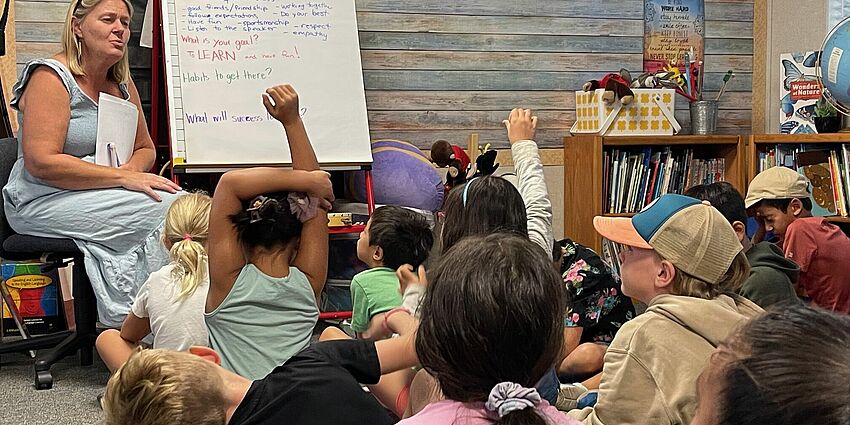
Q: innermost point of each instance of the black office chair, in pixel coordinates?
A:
(53, 252)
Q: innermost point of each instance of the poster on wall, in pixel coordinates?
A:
(671, 29)
(799, 91)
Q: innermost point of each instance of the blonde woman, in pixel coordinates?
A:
(55, 190)
(170, 304)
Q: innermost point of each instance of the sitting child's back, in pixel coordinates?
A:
(175, 325)
(268, 252)
(263, 319)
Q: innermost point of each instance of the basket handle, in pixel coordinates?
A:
(667, 114)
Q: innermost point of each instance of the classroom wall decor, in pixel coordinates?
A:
(671, 29)
(220, 57)
(443, 69)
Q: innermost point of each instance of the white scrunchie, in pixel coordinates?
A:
(507, 397)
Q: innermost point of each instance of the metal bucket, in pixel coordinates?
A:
(703, 116)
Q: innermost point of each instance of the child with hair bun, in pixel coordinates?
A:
(170, 304)
(268, 252)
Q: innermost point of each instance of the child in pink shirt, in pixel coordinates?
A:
(491, 326)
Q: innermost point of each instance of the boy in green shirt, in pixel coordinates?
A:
(393, 237)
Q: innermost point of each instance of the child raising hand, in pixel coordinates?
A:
(268, 252)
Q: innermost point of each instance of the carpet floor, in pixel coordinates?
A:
(72, 400)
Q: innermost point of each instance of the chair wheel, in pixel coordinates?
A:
(43, 380)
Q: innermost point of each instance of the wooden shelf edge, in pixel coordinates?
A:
(794, 139)
(669, 140)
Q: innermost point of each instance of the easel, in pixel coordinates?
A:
(158, 84)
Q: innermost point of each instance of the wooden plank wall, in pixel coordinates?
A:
(445, 68)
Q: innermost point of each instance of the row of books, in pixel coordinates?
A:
(611, 255)
(826, 166)
(633, 178)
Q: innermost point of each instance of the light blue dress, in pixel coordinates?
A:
(117, 230)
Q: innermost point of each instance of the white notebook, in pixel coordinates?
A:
(116, 130)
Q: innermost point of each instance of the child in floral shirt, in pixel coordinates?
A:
(599, 309)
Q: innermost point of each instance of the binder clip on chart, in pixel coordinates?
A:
(649, 114)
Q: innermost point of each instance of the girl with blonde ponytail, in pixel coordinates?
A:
(186, 228)
(170, 304)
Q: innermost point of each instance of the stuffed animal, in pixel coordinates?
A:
(668, 78)
(444, 154)
(485, 164)
(401, 175)
(616, 87)
(646, 80)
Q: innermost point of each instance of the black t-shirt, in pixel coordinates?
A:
(319, 385)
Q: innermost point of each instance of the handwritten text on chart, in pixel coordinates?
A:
(301, 19)
(220, 55)
(227, 76)
(228, 116)
(216, 42)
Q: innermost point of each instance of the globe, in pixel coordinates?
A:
(834, 68)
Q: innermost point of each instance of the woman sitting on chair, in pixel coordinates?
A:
(114, 214)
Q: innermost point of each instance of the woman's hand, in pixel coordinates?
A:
(149, 184)
(521, 125)
(282, 103)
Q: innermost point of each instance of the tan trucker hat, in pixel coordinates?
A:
(777, 183)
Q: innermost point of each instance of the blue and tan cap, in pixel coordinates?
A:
(689, 233)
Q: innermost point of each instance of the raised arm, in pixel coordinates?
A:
(44, 104)
(521, 126)
(312, 256)
(282, 103)
(226, 257)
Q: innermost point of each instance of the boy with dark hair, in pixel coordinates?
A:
(780, 199)
(772, 276)
(394, 236)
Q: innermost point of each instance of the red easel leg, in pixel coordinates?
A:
(370, 197)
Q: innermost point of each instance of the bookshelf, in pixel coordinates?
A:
(762, 143)
(584, 170)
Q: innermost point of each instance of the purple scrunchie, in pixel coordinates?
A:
(507, 397)
(302, 206)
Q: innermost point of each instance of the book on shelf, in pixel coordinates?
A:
(611, 256)
(633, 178)
(827, 166)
